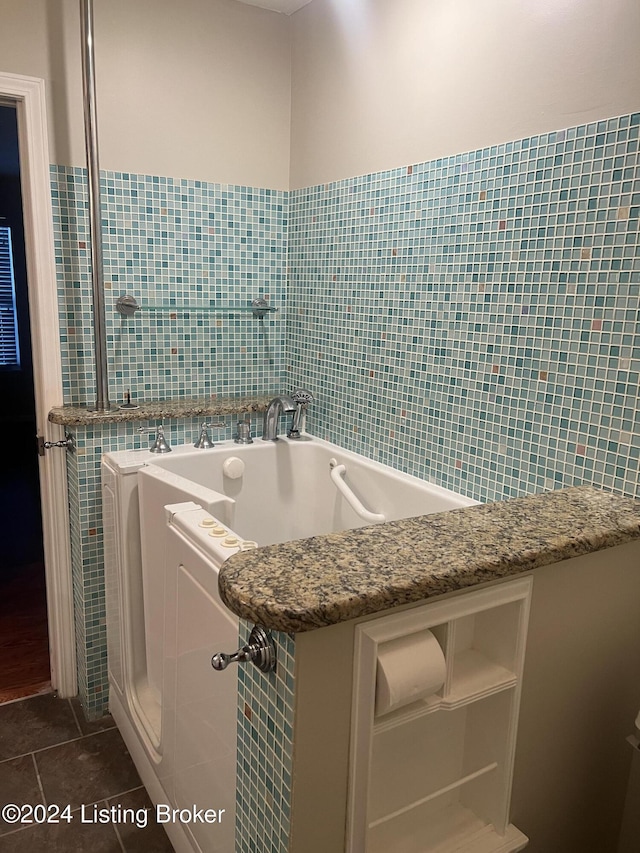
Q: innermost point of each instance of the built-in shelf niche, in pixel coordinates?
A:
(435, 775)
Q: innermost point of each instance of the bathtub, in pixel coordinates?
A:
(164, 615)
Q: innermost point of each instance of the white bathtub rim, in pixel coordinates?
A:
(129, 461)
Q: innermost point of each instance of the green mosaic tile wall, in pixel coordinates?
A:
(265, 750)
(172, 243)
(167, 242)
(474, 320)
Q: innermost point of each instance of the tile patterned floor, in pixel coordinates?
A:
(50, 755)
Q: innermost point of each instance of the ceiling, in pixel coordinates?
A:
(285, 6)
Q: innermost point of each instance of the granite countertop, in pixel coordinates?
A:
(79, 415)
(310, 583)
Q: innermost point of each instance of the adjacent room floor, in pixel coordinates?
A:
(51, 756)
(24, 638)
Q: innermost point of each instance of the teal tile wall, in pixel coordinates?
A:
(474, 320)
(167, 242)
(265, 750)
(172, 243)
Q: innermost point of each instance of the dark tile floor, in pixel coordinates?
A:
(51, 756)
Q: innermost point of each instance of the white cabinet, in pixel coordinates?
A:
(435, 775)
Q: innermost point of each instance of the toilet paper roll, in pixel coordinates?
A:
(409, 668)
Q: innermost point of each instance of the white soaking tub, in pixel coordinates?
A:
(163, 607)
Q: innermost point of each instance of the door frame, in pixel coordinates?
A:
(28, 96)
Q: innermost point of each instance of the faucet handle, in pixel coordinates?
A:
(204, 441)
(160, 445)
(243, 432)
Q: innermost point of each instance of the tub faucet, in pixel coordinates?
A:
(283, 403)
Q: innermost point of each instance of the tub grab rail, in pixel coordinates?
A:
(336, 475)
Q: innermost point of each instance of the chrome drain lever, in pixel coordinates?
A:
(260, 650)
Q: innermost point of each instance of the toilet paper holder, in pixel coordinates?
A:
(409, 667)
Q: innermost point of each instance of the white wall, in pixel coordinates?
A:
(202, 88)
(192, 89)
(384, 83)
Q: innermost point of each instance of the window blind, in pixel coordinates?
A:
(9, 346)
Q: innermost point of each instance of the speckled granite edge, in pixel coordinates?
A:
(79, 415)
(310, 583)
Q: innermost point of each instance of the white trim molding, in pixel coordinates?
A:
(27, 94)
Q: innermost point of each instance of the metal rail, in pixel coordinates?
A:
(95, 213)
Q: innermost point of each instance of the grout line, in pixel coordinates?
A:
(38, 777)
(46, 691)
(75, 716)
(120, 841)
(44, 748)
(128, 791)
(4, 835)
(114, 824)
(61, 743)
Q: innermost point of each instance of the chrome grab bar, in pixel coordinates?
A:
(356, 505)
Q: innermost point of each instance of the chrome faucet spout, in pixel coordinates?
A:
(279, 405)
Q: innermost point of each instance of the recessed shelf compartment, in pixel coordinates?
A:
(435, 775)
(399, 813)
(444, 828)
(453, 755)
(476, 676)
(485, 648)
